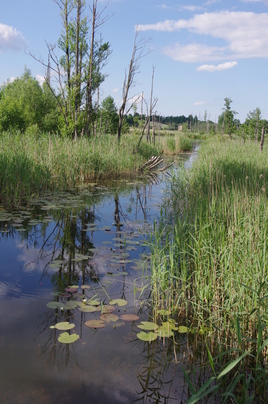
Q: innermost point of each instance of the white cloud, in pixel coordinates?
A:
(197, 103)
(11, 39)
(40, 79)
(194, 52)
(192, 8)
(245, 35)
(215, 68)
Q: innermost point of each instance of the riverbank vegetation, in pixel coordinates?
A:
(209, 265)
(32, 163)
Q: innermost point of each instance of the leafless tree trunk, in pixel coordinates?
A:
(262, 138)
(77, 69)
(152, 105)
(137, 53)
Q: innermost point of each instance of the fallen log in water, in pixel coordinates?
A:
(153, 164)
(153, 167)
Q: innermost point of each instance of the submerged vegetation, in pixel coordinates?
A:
(209, 265)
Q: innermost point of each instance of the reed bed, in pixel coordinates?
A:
(33, 163)
(209, 255)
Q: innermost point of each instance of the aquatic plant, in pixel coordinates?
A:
(33, 163)
(209, 255)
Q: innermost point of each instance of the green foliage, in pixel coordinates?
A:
(24, 104)
(30, 162)
(171, 143)
(209, 260)
(185, 144)
(109, 116)
(228, 117)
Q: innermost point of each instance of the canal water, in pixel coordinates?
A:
(72, 258)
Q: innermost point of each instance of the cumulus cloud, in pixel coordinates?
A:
(194, 52)
(244, 35)
(40, 79)
(215, 68)
(197, 103)
(11, 39)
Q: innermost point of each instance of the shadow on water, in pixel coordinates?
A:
(75, 257)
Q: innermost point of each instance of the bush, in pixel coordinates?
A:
(185, 144)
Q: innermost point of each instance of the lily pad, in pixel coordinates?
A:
(66, 338)
(164, 312)
(109, 317)
(148, 326)
(148, 337)
(88, 309)
(120, 302)
(106, 309)
(95, 323)
(56, 263)
(56, 305)
(93, 302)
(129, 317)
(64, 326)
(71, 304)
(85, 287)
(182, 329)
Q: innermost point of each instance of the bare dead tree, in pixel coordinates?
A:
(152, 106)
(149, 113)
(262, 138)
(137, 54)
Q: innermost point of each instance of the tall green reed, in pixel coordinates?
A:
(32, 163)
(216, 222)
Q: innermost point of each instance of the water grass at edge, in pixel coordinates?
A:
(33, 163)
(209, 255)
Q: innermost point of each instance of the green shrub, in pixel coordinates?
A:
(185, 144)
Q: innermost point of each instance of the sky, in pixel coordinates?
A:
(201, 51)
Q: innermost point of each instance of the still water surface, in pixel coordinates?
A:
(93, 239)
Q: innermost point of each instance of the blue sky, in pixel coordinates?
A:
(202, 51)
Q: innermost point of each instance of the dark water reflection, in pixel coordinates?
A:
(94, 237)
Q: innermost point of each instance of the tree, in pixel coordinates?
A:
(228, 117)
(77, 71)
(109, 116)
(24, 103)
(253, 123)
(137, 53)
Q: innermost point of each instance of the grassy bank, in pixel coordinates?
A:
(30, 163)
(209, 263)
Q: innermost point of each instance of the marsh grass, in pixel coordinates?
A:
(31, 163)
(173, 143)
(209, 256)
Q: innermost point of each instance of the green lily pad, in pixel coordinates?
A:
(148, 337)
(129, 317)
(164, 332)
(88, 309)
(73, 287)
(71, 304)
(109, 317)
(120, 302)
(93, 302)
(164, 312)
(182, 329)
(56, 263)
(146, 325)
(64, 325)
(85, 287)
(95, 323)
(66, 338)
(56, 305)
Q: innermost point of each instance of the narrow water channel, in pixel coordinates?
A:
(76, 257)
